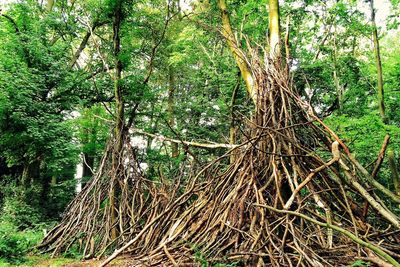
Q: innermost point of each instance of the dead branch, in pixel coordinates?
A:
(188, 143)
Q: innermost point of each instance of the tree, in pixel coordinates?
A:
(119, 116)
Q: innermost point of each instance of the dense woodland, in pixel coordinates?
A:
(205, 133)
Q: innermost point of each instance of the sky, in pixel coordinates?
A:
(4, 2)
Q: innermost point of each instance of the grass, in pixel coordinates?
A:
(39, 261)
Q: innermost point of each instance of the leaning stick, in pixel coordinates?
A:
(336, 157)
(381, 156)
(378, 164)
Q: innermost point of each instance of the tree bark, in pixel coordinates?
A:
(378, 63)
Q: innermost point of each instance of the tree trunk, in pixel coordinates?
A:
(339, 89)
(274, 31)
(378, 63)
(119, 117)
(171, 108)
(30, 173)
(236, 51)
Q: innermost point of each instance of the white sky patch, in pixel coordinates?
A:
(185, 5)
(382, 8)
(6, 2)
(139, 141)
(143, 166)
(157, 142)
(78, 176)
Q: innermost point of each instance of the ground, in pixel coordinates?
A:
(40, 261)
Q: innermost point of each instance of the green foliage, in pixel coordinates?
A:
(21, 213)
(21, 223)
(19, 207)
(359, 263)
(14, 244)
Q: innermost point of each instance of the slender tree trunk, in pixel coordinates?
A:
(171, 108)
(88, 157)
(53, 180)
(287, 38)
(339, 89)
(274, 30)
(119, 117)
(30, 173)
(378, 63)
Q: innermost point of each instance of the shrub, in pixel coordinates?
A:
(18, 212)
(14, 244)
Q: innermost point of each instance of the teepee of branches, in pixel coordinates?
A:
(292, 197)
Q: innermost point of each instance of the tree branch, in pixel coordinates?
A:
(188, 143)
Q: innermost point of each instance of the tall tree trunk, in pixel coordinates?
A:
(171, 108)
(274, 30)
(233, 44)
(237, 53)
(119, 117)
(378, 63)
(339, 89)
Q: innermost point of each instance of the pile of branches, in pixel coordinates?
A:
(292, 197)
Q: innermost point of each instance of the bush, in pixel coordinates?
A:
(21, 214)
(19, 224)
(14, 244)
